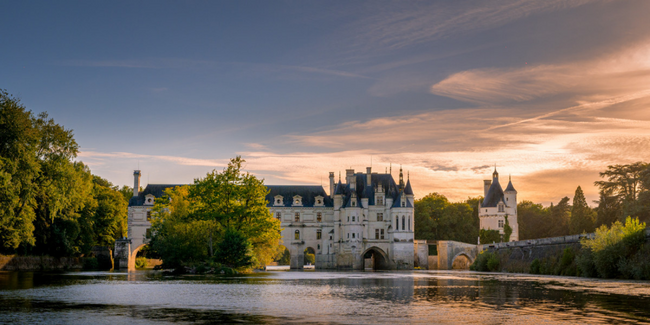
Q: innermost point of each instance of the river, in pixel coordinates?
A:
(431, 297)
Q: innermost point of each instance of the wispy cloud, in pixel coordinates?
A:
(172, 63)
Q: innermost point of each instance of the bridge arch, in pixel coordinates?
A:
(375, 258)
(133, 254)
(461, 261)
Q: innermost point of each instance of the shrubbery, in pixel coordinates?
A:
(617, 252)
(486, 262)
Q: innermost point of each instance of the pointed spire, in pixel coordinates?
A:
(401, 178)
(495, 175)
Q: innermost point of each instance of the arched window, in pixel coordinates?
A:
(396, 223)
(403, 223)
(297, 235)
(352, 218)
(409, 223)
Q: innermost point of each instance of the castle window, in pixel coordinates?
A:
(348, 218)
(403, 223)
(330, 237)
(319, 234)
(500, 223)
(397, 223)
(409, 223)
(278, 201)
(352, 218)
(380, 217)
(403, 204)
(348, 235)
(353, 203)
(353, 235)
(501, 208)
(376, 233)
(380, 201)
(381, 234)
(297, 235)
(297, 217)
(319, 217)
(149, 215)
(318, 247)
(278, 215)
(148, 234)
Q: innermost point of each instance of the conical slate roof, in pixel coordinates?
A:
(510, 188)
(408, 189)
(494, 195)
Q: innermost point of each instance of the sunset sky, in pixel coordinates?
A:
(550, 91)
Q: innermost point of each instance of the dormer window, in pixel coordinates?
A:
(501, 208)
(278, 200)
(354, 203)
(318, 201)
(297, 200)
(380, 200)
(149, 199)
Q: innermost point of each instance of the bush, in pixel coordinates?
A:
(585, 262)
(140, 262)
(104, 262)
(493, 263)
(90, 263)
(535, 267)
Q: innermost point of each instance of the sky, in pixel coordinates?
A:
(551, 92)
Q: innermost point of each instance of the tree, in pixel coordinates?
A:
(582, 216)
(227, 201)
(507, 230)
(438, 219)
(489, 236)
(533, 220)
(626, 184)
(559, 218)
(235, 250)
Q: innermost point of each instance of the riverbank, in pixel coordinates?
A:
(39, 263)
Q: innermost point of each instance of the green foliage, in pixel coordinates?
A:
(507, 230)
(190, 220)
(90, 263)
(140, 262)
(624, 192)
(50, 204)
(486, 262)
(235, 250)
(283, 257)
(493, 263)
(489, 236)
(583, 217)
(310, 256)
(535, 267)
(616, 252)
(438, 219)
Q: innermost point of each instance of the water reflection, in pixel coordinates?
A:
(315, 297)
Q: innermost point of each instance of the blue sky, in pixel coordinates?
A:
(550, 91)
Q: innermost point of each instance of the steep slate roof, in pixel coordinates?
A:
(494, 195)
(363, 191)
(510, 188)
(307, 192)
(157, 190)
(408, 189)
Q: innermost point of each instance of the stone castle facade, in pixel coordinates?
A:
(365, 222)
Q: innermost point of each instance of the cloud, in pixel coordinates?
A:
(172, 63)
(622, 76)
(393, 26)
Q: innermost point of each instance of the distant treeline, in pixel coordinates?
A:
(49, 203)
(625, 191)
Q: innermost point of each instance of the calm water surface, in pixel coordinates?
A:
(431, 297)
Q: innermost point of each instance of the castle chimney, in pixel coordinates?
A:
(486, 186)
(136, 182)
(369, 176)
(349, 175)
(331, 183)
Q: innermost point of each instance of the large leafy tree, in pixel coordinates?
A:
(583, 218)
(533, 220)
(230, 200)
(50, 204)
(438, 219)
(626, 186)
